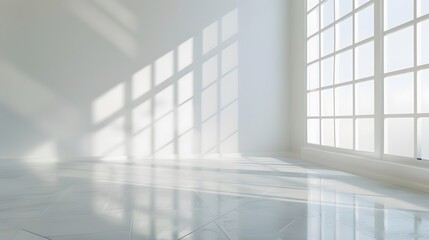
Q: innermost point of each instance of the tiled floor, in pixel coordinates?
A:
(206, 199)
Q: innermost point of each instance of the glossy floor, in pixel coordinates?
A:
(204, 199)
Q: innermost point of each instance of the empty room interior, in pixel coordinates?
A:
(214, 119)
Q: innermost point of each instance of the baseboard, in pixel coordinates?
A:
(410, 177)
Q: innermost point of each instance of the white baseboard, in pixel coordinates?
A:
(403, 175)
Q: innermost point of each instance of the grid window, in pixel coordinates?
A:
(365, 134)
(359, 3)
(368, 66)
(399, 136)
(327, 41)
(313, 22)
(343, 7)
(328, 132)
(313, 48)
(423, 138)
(397, 12)
(406, 74)
(422, 7)
(327, 78)
(344, 67)
(364, 28)
(364, 60)
(399, 50)
(313, 76)
(364, 98)
(422, 42)
(327, 105)
(313, 131)
(343, 87)
(399, 94)
(344, 33)
(344, 101)
(344, 133)
(313, 104)
(423, 91)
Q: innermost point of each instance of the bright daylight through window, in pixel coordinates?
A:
(368, 76)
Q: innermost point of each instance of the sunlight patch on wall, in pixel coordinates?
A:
(141, 83)
(209, 102)
(229, 89)
(142, 143)
(107, 141)
(185, 88)
(229, 25)
(186, 143)
(229, 58)
(159, 119)
(229, 126)
(164, 132)
(209, 135)
(185, 119)
(185, 54)
(164, 102)
(164, 67)
(108, 103)
(141, 116)
(210, 71)
(210, 37)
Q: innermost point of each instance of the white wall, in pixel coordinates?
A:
(298, 132)
(67, 86)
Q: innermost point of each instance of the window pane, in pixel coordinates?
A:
(328, 132)
(399, 50)
(313, 22)
(399, 94)
(313, 131)
(364, 23)
(344, 133)
(344, 67)
(423, 42)
(422, 7)
(327, 72)
(313, 104)
(327, 12)
(364, 64)
(342, 7)
(328, 41)
(313, 48)
(313, 76)
(397, 12)
(423, 138)
(423, 91)
(365, 134)
(311, 4)
(364, 103)
(360, 3)
(344, 33)
(399, 136)
(327, 102)
(344, 100)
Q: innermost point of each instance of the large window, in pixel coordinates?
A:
(340, 71)
(406, 78)
(368, 66)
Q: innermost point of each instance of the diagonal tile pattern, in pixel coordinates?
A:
(211, 199)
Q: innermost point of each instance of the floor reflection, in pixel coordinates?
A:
(218, 198)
